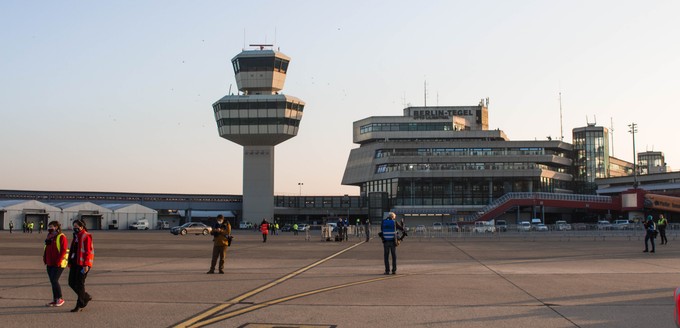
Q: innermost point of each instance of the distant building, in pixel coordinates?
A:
(651, 162)
(444, 161)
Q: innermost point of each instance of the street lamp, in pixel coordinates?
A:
(300, 184)
(632, 129)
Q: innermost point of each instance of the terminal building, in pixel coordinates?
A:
(445, 162)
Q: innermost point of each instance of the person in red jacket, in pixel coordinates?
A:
(80, 261)
(264, 227)
(55, 258)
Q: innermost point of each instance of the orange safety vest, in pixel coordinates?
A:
(85, 250)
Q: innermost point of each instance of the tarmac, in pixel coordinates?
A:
(156, 279)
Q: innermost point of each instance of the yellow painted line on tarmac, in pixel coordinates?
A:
(285, 299)
(237, 299)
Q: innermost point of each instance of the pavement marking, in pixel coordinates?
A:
(238, 299)
(251, 308)
(283, 325)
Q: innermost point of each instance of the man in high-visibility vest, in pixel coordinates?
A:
(661, 225)
(295, 229)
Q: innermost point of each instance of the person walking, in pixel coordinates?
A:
(55, 257)
(661, 225)
(264, 228)
(30, 227)
(367, 228)
(295, 229)
(650, 228)
(388, 230)
(11, 226)
(41, 226)
(80, 262)
(221, 232)
(25, 227)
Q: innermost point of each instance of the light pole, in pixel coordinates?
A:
(632, 129)
(300, 184)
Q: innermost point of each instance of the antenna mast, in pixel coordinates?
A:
(611, 132)
(561, 131)
(425, 93)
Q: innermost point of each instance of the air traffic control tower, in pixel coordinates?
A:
(259, 118)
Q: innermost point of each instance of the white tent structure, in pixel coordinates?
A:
(126, 214)
(95, 217)
(18, 211)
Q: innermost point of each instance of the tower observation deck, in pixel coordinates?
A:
(259, 118)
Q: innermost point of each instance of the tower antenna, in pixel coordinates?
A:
(561, 130)
(425, 93)
(611, 132)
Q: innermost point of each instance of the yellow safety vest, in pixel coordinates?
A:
(64, 261)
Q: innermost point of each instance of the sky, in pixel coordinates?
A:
(117, 95)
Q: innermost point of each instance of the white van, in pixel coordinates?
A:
(142, 224)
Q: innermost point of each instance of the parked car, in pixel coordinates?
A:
(580, 226)
(303, 227)
(621, 225)
(483, 227)
(437, 226)
(562, 225)
(540, 227)
(142, 224)
(245, 225)
(524, 226)
(501, 225)
(420, 228)
(191, 227)
(287, 227)
(604, 225)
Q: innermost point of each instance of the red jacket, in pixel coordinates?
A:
(264, 227)
(82, 252)
(56, 251)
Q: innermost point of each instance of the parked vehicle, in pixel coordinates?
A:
(163, 225)
(604, 225)
(437, 226)
(562, 225)
(501, 225)
(621, 225)
(287, 227)
(245, 225)
(483, 227)
(540, 227)
(303, 227)
(420, 228)
(142, 224)
(191, 227)
(524, 226)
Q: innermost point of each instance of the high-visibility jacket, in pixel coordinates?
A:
(662, 223)
(56, 253)
(264, 227)
(389, 229)
(82, 251)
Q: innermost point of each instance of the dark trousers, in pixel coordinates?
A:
(76, 280)
(221, 252)
(264, 237)
(662, 233)
(54, 273)
(649, 236)
(390, 247)
(368, 232)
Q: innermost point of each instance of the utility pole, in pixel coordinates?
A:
(632, 129)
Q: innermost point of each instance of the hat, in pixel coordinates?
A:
(649, 218)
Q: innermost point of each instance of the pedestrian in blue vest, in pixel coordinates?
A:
(388, 234)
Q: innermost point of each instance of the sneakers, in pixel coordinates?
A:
(56, 303)
(210, 272)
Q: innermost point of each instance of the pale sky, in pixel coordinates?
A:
(116, 95)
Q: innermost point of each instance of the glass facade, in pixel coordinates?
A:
(591, 157)
(253, 64)
(457, 191)
(376, 127)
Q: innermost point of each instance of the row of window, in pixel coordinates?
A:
(375, 127)
(258, 121)
(259, 105)
(393, 167)
(256, 113)
(252, 64)
(463, 152)
(319, 202)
